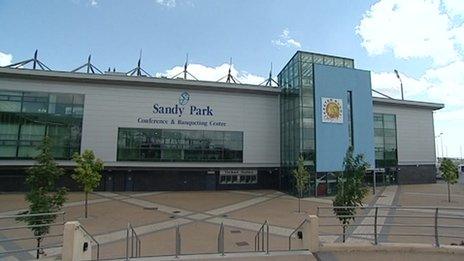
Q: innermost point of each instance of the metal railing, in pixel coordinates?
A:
(178, 242)
(261, 235)
(93, 240)
(298, 228)
(41, 220)
(132, 242)
(377, 221)
(220, 240)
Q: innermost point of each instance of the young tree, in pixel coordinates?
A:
(350, 190)
(43, 197)
(87, 172)
(449, 172)
(301, 176)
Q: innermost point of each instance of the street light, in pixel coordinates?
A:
(441, 141)
(401, 83)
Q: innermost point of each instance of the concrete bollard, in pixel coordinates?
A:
(311, 234)
(76, 245)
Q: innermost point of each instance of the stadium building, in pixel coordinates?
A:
(178, 134)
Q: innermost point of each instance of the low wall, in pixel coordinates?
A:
(417, 174)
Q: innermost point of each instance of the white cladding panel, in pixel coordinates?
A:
(415, 133)
(108, 107)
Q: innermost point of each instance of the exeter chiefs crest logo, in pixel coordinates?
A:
(332, 110)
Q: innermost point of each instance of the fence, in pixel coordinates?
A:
(38, 221)
(296, 231)
(133, 243)
(92, 239)
(220, 240)
(261, 235)
(376, 222)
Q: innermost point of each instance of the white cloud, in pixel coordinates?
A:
(456, 115)
(412, 29)
(454, 7)
(167, 3)
(207, 73)
(387, 83)
(447, 83)
(431, 29)
(285, 40)
(93, 2)
(444, 84)
(5, 59)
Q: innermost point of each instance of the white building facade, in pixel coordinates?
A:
(175, 134)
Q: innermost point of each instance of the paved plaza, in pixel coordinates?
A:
(155, 215)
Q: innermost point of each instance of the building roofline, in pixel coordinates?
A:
(408, 103)
(134, 81)
(329, 55)
(300, 51)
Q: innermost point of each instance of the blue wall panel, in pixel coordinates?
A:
(332, 139)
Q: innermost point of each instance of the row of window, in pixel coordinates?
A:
(385, 140)
(238, 178)
(179, 145)
(42, 102)
(20, 136)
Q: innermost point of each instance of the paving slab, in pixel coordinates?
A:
(15, 202)
(114, 215)
(279, 211)
(197, 201)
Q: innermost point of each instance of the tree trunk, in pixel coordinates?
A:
(449, 192)
(299, 202)
(86, 196)
(38, 248)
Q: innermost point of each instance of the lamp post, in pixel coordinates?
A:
(441, 141)
(401, 83)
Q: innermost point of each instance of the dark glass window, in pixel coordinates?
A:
(385, 140)
(179, 145)
(350, 118)
(26, 117)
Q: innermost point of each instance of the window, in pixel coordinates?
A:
(385, 140)
(350, 118)
(10, 101)
(238, 177)
(179, 145)
(26, 117)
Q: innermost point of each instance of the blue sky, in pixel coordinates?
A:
(423, 39)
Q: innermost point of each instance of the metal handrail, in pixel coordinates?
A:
(93, 239)
(33, 215)
(393, 206)
(29, 226)
(392, 234)
(178, 242)
(294, 231)
(29, 249)
(43, 220)
(134, 238)
(221, 240)
(398, 216)
(375, 224)
(26, 238)
(258, 237)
